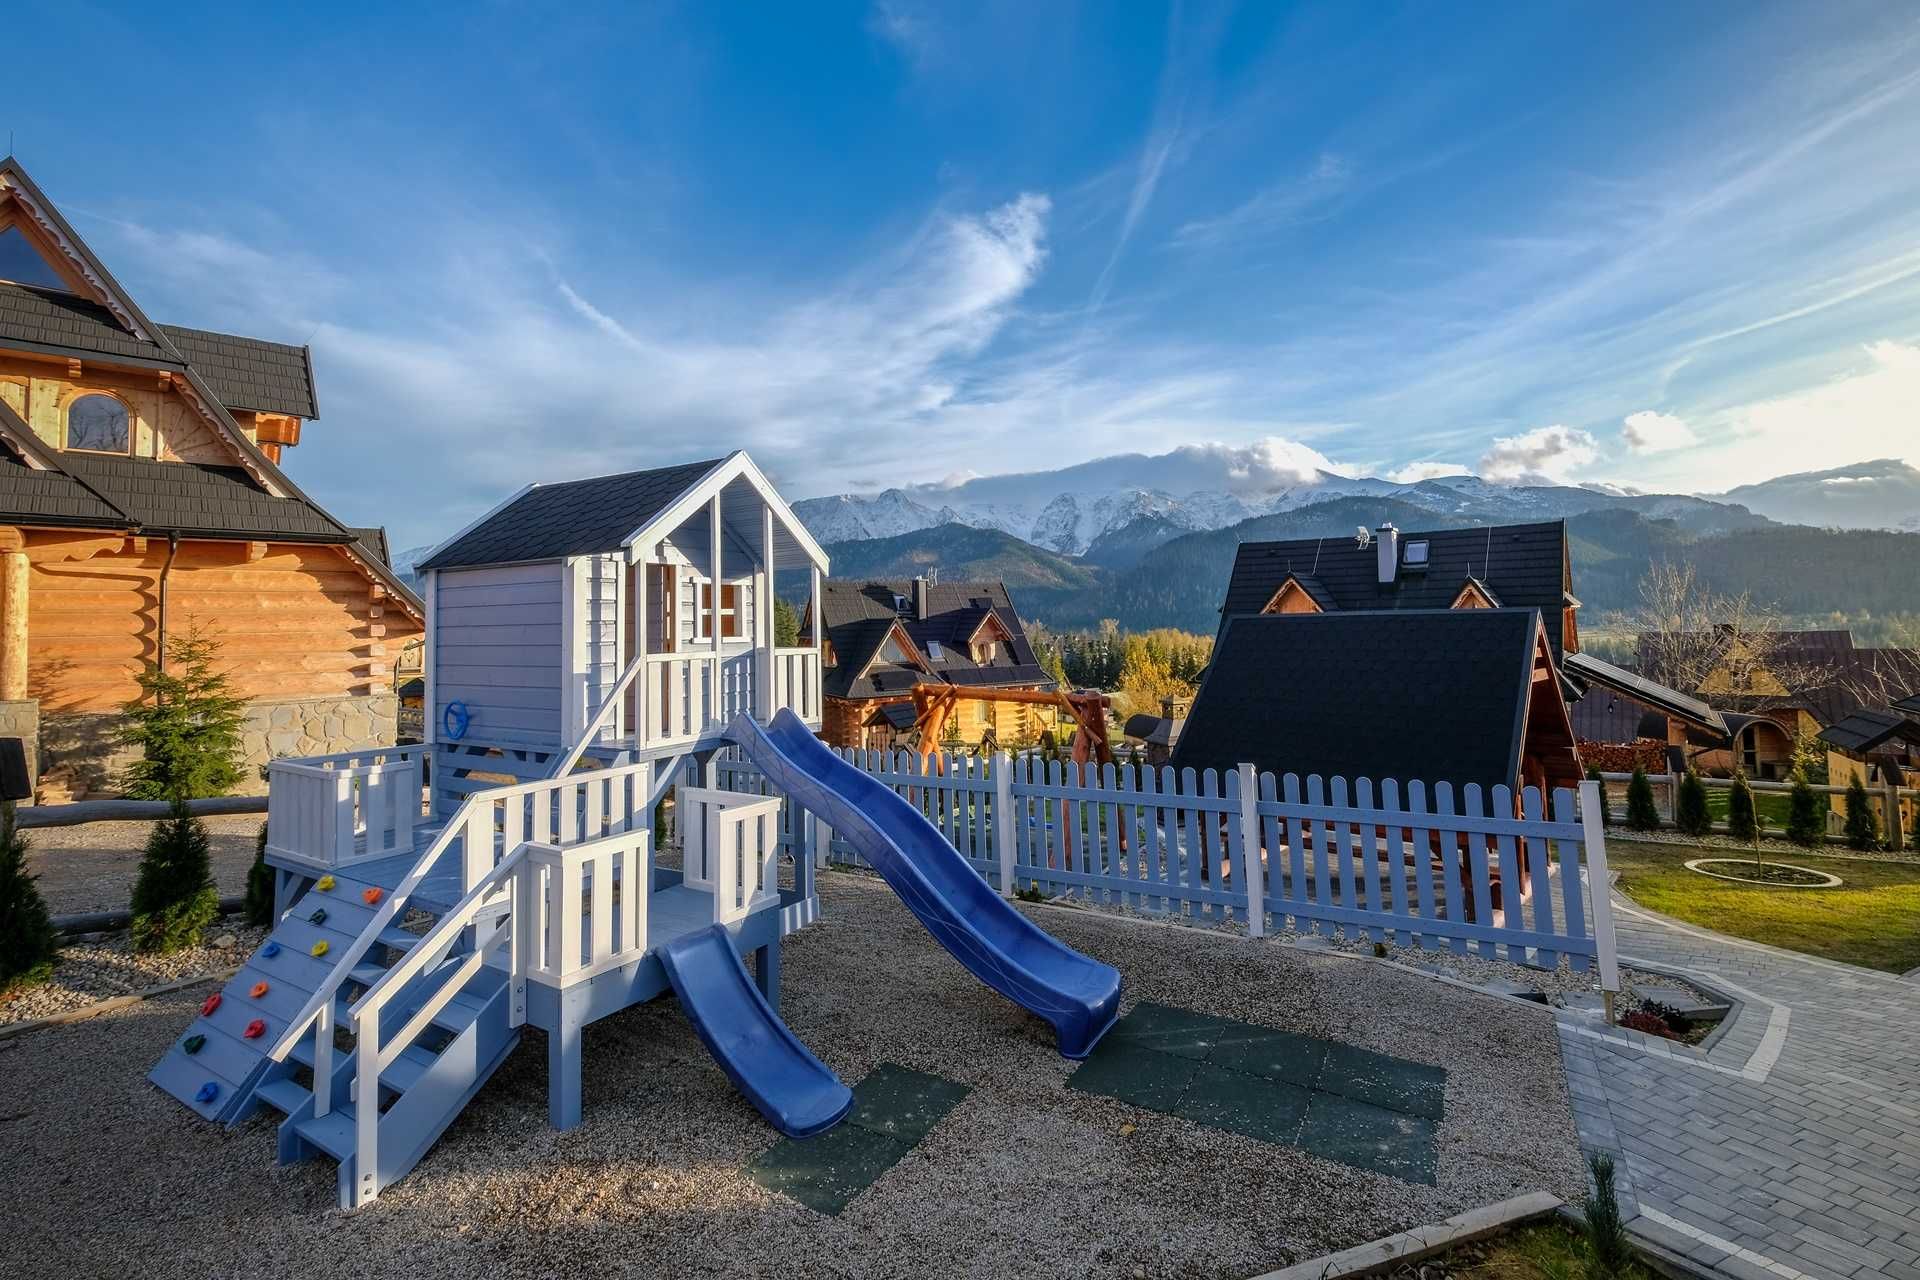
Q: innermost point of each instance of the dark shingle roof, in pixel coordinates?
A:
(574, 518)
(1434, 695)
(248, 373)
(859, 615)
(193, 498)
(1524, 565)
(1866, 731)
(51, 318)
(1909, 704)
(1589, 670)
(31, 496)
(374, 542)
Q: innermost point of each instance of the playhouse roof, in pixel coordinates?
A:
(1438, 695)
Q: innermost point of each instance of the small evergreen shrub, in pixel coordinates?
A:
(1642, 813)
(260, 884)
(1741, 814)
(27, 943)
(186, 723)
(1606, 811)
(1690, 812)
(1805, 826)
(1863, 827)
(173, 898)
(1606, 1233)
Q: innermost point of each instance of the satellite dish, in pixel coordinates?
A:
(1363, 537)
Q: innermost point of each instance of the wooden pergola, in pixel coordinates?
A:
(934, 705)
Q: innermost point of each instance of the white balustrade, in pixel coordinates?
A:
(583, 909)
(796, 681)
(731, 848)
(345, 808)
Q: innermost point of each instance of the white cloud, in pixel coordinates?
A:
(1267, 464)
(1544, 455)
(1415, 472)
(1282, 204)
(1873, 412)
(1651, 432)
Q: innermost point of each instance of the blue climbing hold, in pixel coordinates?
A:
(269, 951)
(208, 1092)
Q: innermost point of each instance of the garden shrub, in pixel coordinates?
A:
(1642, 813)
(1690, 812)
(260, 884)
(1805, 825)
(174, 899)
(1606, 810)
(1863, 827)
(1741, 824)
(27, 942)
(186, 723)
(1606, 1232)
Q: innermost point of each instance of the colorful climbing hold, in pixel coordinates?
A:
(208, 1005)
(255, 1029)
(269, 951)
(324, 884)
(208, 1092)
(259, 989)
(319, 948)
(192, 1043)
(318, 917)
(373, 896)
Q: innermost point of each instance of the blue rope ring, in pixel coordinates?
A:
(455, 720)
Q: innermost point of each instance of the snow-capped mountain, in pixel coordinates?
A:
(1881, 494)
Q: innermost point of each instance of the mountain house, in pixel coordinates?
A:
(885, 636)
(140, 488)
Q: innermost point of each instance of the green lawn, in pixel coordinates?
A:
(1872, 920)
(1771, 805)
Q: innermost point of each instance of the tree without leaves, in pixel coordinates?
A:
(1728, 649)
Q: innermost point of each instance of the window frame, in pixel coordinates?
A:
(66, 421)
(733, 611)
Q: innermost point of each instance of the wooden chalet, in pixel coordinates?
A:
(140, 486)
(884, 636)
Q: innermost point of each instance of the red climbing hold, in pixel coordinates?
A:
(373, 896)
(259, 989)
(255, 1029)
(208, 1005)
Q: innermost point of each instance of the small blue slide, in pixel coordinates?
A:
(792, 1088)
(1080, 996)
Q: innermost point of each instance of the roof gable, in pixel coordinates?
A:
(249, 373)
(857, 614)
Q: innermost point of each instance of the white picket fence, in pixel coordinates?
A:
(1469, 872)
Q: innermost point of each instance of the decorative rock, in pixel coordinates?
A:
(224, 940)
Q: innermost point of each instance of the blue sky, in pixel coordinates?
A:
(1670, 246)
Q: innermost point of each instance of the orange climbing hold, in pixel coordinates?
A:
(319, 948)
(255, 1029)
(373, 896)
(259, 989)
(208, 1005)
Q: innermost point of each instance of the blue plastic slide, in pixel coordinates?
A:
(1078, 995)
(792, 1088)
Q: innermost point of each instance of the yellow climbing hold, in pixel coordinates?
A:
(320, 947)
(324, 884)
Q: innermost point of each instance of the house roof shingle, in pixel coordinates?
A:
(43, 317)
(1437, 695)
(198, 499)
(573, 518)
(859, 615)
(1866, 731)
(251, 373)
(1522, 566)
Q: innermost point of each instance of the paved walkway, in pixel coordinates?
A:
(1791, 1147)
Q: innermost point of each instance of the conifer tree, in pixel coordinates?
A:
(1805, 826)
(186, 724)
(1863, 828)
(1642, 813)
(1741, 824)
(173, 898)
(1606, 811)
(27, 943)
(1690, 812)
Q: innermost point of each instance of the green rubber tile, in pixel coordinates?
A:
(902, 1103)
(826, 1172)
(1135, 1075)
(1369, 1137)
(1253, 1106)
(1180, 1032)
(1277, 1055)
(1394, 1083)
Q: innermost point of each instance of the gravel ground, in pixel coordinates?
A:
(1023, 1178)
(89, 972)
(91, 867)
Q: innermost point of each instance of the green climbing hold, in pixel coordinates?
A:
(192, 1043)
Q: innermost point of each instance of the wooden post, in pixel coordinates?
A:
(14, 575)
(642, 727)
(1003, 819)
(1896, 836)
(1594, 838)
(714, 706)
(763, 700)
(1251, 867)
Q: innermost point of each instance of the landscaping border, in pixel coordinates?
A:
(1423, 1242)
(108, 1005)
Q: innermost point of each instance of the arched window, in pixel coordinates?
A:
(97, 422)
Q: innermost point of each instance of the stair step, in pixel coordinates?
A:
(285, 1094)
(333, 1133)
(405, 1070)
(399, 939)
(367, 974)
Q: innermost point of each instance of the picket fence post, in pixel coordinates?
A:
(1606, 956)
(1003, 819)
(1251, 869)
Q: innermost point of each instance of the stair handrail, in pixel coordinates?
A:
(599, 721)
(371, 1056)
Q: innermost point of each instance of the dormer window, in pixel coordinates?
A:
(935, 652)
(1416, 555)
(98, 423)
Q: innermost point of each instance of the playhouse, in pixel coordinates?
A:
(589, 645)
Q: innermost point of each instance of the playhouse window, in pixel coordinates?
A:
(98, 423)
(732, 617)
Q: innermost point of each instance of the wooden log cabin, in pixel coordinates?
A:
(140, 488)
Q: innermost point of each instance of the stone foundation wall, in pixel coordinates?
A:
(81, 758)
(22, 720)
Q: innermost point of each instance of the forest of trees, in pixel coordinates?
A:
(1140, 667)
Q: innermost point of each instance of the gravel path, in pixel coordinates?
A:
(1023, 1178)
(91, 867)
(89, 972)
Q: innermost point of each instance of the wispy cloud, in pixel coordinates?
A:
(1310, 195)
(1415, 472)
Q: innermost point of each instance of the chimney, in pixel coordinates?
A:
(1386, 541)
(920, 598)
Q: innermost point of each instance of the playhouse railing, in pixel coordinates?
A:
(796, 681)
(731, 848)
(350, 807)
(582, 910)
